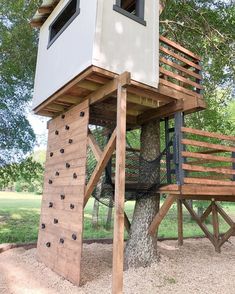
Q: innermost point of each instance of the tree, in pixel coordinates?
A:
(206, 28)
(17, 58)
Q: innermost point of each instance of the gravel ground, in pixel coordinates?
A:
(194, 268)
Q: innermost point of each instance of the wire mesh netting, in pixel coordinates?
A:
(143, 177)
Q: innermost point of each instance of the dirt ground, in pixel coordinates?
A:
(194, 268)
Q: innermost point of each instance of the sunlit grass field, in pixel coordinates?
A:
(20, 212)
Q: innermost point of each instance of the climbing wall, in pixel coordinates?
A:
(61, 223)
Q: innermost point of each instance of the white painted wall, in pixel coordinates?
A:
(69, 55)
(102, 37)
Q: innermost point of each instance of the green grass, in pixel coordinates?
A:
(20, 212)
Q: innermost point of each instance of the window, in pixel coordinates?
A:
(63, 20)
(133, 9)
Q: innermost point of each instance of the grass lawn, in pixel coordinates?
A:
(19, 219)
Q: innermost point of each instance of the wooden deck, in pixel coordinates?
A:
(179, 90)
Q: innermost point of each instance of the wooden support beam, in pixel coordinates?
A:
(215, 221)
(226, 236)
(94, 146)
(127, 223)
(161, 214)
(118, 239)
(198, 220)
(206, 213)
(106, 155)
(161, 112)
(225, 216)
(180, 222)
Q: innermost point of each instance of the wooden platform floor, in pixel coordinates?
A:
(142, 101)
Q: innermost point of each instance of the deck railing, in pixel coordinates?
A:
(179, 68)
(208, 158)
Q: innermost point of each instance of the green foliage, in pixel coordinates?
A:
(18, 44)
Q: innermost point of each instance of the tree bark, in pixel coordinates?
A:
(141, 248)
(109, 218)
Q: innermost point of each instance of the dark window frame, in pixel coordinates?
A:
(51, 40)
(138, 17)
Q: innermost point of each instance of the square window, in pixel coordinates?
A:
(133, 9)
(63, 20)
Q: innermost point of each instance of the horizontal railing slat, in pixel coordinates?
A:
(208, 134)
(200, 168)
(207, 157)
(179, 48)
(202, 181)
(208, 145)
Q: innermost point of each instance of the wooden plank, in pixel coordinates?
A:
(180, 222)
(225, 216)
(202, 181)
(180, 78)
(179, 88)
(201, 225)
(215, 221)
(118, 239)
(226, 236)
(106, 155)
(161, 214)
(179, 47)
(206, 213)
(180, 68)
(208, 145)
(207, 190)
(199, 168)
(94, 146)
(208, 134)
(208, 157)
(161, 112)
(179, 57)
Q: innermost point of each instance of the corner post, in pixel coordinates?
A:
(178, 148)
(118, 239)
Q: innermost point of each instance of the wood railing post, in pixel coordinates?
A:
(178, 148)
(233, 156)
(168, 154)
(118, 234)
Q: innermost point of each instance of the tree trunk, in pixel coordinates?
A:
(95, 214)
(109, 218)
(141, 248)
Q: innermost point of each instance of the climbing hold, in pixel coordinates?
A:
(72, 206)
(67, 127)
(51, 154)
(50, 205)
(56, 221)
(57, 173)
(50, 182)
(70, 141)
(67, 165)
(61, 241)
(82, 113)
(74, 237)
(48, 244)
(62, 150)
(43, 226)
(57, 132)
(75, 176)
(62, 116)
(62, 196)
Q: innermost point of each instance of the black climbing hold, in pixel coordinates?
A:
(82, 113)
(70, 141)
(57, 173)
(74, 237)
(43, 226)
(48, 244)
(56, 221)
(75, 176)
(61, 241)
(50, 182)
(62, 150)
(72, 206)
(62, 116)
(67, 127)
(62, 196)
(51, 154)
(57, 132)
(67, 165)
(50, 205)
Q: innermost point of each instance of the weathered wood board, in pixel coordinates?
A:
(61, 223)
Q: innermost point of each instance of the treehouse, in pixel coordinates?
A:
(103, 63)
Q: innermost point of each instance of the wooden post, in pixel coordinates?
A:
(118, 239)
(215, 226)
(178, 148)
(180, 222)
(233, 166)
